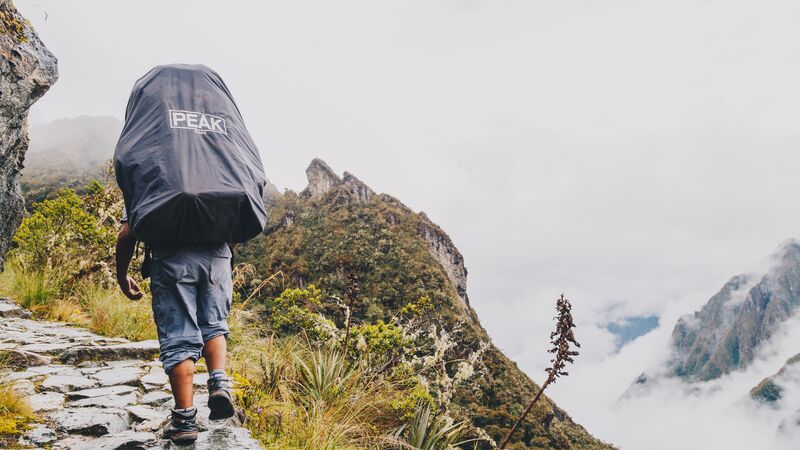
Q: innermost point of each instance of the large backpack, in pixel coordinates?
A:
(188, 169)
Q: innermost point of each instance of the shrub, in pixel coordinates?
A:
(294, 312)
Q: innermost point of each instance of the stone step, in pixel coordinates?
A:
(144, 350)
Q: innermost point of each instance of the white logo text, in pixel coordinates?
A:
(199, 122)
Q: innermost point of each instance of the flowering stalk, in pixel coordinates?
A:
(351, 295)
(561, 339)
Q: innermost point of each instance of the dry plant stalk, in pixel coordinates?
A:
(561, 339)
(351, 296)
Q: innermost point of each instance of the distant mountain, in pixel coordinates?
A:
(628, 329)
(726, 333)
(67, 153)
(772, 389)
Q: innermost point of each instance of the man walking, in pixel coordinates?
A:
(191, 288)
(193, 185)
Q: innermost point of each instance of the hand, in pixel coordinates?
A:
(129, 287)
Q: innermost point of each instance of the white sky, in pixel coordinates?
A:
(628, 153)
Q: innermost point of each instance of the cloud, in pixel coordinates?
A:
(673, 414)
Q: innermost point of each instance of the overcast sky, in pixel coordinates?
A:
(632, 154)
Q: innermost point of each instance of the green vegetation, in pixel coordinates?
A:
(318, 241)
(60, 266)
(346, 332)
(767, 391)
(305, 381)
(303, 386)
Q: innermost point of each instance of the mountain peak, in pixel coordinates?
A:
(321, 178)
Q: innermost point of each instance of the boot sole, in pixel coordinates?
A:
(221, 406)
(187, 437)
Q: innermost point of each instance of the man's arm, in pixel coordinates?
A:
(125, 248)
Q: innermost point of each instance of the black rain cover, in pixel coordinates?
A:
(188, 169)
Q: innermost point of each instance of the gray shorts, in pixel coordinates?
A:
(192, 289)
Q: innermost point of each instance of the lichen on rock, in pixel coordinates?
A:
(27, 70)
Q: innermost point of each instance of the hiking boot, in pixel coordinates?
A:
(220, 401)
(182, 429)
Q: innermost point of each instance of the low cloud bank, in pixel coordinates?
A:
(670, 413)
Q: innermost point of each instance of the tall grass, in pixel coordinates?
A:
(15, 412)
(33, 289)
(299, 397)
(104, 310)
(112, 314)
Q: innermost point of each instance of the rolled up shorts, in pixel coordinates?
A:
(192, 291)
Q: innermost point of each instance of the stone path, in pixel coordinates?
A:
(98, 393)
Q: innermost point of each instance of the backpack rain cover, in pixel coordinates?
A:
(188, 169)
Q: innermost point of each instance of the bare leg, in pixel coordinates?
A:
(214, 351)
(181, 378)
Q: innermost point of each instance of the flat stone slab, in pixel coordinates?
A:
(118, 375)
(101, 391)
(66, 383)
(107, 401)
(91, 421)
(126, 363)
(46, 401)
(24, 387)
(71, 442)
(226, 438)
(156, 377)
(127, 440)
(200, 379)
(40, 435)
(155, 398)
(52, 368)
(55, 348)
(141, 413)
(132, 350)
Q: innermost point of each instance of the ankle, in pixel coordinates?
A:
(217, 373)
(185, 413)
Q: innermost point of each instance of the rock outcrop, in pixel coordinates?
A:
(27, 70)
(117, 396)
(322, 179)
(727, 332)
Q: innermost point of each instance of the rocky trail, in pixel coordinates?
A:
(95, 392)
